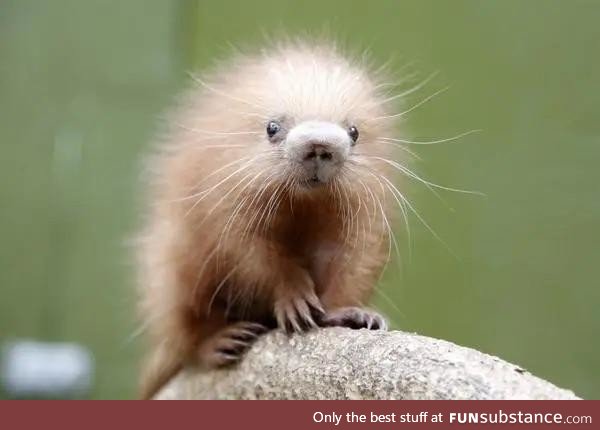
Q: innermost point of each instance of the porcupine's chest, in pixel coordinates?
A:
(314, 238)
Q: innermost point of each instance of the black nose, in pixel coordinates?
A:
(320, 151)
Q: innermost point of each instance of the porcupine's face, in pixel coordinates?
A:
(302, 116)
(298, 120)
(320, 112)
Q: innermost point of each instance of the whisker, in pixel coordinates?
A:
(429, 187)
(402, 210)
(368, 190)
(413, 175)
(431, 142)
(264, 117)
(218, 288)
(362, 226)
(385, 221)
(402, 70)
(413, 89)
(340, 208)
(356, 217)
(279, 200)
(204, 266)
(221, 93)
(258, 212)
(422, 102)
(138, 331)
(220, 201)
(405, 218)
(347, 212)
(221, 146)
(273, 205)
(389, 301)
(391, 237)
(396, 145)
(214, 172)
(203, 194)
(419, 217)
(234, 162)
(216, 133)
(237, 209)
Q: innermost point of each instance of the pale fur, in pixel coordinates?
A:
(231, 234)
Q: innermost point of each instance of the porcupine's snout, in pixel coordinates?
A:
(319, 148)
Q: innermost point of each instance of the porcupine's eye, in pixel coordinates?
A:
(353, 133)
(272, 128)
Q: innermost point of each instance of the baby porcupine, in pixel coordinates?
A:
(269, 206)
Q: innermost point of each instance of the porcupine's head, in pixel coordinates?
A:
(298, 119)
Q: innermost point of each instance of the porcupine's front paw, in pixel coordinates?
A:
(227, 346)
(354, 318)
(298, 311)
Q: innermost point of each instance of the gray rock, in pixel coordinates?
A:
(340, 363)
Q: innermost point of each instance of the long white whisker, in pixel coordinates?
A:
(391, 237)
(347, 212)
(221, 93)
(192, 196)
(217, 133)
(396, 145)
(259, 193)
(429, 187)
(221, 146)
(368, 190)
(263, 117)
(419, 217)
(238, 207)
(222, 199)
(431, 142)
(422, 102)
(272, 206)
(357, 218)
(286, 187)
(413, 175)
(405, 218)
(413, 89)
(389, 301)
(400, 205)
(203, 194)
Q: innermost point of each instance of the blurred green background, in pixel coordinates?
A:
(82, 85)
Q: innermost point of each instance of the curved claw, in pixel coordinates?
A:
(298, 313)
(228, 345)
(354, 318)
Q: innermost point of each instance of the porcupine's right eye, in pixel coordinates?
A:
(272, 128)
(353, 133)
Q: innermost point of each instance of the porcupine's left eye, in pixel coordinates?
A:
(272, 128)
(353, 133)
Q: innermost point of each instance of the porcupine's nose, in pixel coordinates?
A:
(318, 151)
(319, 147)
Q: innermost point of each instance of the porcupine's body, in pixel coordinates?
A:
(267, 207)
